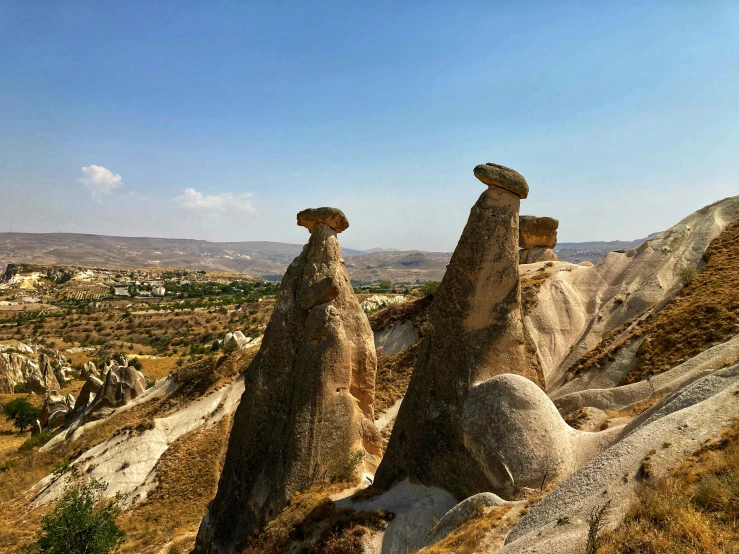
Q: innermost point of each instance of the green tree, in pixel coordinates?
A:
(22, 413)
(385, 284)
(429, 287)
(81, 522)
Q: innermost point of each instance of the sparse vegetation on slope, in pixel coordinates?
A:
(694, 509)
(705, 313)
(468, 538)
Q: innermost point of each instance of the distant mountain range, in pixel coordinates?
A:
(253, 258)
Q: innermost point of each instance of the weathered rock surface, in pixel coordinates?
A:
(54, 402)
(122, 384)
(88, 370)
(333, 217)
(43, 380)
(14, 369)
(539, 254)
(91, 387)
(534, 232)
(308, 401)
(500, 176)
(476, 332)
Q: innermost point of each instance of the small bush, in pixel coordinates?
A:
(429, 288)
(687, 274)
(345, 469)
(81, 521)
(20, 388)
(39, 440)
(596, 523)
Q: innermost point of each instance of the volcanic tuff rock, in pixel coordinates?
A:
(43, 380)
(536, 255)
(476, 332)
(504, 177)
(122, 384)
(333, 217)
(308, 401)
(14, 369)
(535, 231)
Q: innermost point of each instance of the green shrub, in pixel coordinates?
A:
(687, 274)
(345, 469)
(38, 440)
(22, 413)
(82, 521)
(429, 288)
(20, 388)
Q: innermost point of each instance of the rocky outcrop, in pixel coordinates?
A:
(536, 237)
(538, 254)
(55, 409)
(14, 369)
(308, 402)
(91, 388)
(122, 384)
(43, 380)
(236, 337)
(89, 370)
(378, 301)
(475, 333)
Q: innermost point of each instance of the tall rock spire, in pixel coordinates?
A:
(476, 332)
(308, 403)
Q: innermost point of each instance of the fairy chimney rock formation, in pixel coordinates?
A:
(308, 403)
(537, 237)
(476, 332)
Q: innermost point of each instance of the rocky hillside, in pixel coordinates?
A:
(256, 259)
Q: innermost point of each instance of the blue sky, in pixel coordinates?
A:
(221, 120)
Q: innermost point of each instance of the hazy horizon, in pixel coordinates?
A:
(221, 122)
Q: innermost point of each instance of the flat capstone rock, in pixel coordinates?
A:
(504, 177)
(333, 217)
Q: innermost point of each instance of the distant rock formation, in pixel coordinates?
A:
(43, 380)
(475, 333)
(14, 369)
(122, 384)
(537, 236)
(308, 403)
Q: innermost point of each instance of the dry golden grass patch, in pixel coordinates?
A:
(706, 312)
(469, 537)
(530, 286)
(187, 475)
(312, 521)
(393, 375)
(694, 509)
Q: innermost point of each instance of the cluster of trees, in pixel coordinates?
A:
(22, 413)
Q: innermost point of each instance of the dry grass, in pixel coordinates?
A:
(393, 375)
(694, 509)
(530, 286)
(705, 313)
(468, 538)
(415, 311)
(312, 521)
(187, 473)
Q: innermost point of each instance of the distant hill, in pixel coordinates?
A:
(255, 258)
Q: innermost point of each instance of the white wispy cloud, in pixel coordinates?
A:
(193, 200)
(100, 180)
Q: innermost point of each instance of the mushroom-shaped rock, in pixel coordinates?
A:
(308, 398)
(537, 232)
(476, 331)
(500, 176)
(333, 217)
(515, 433)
